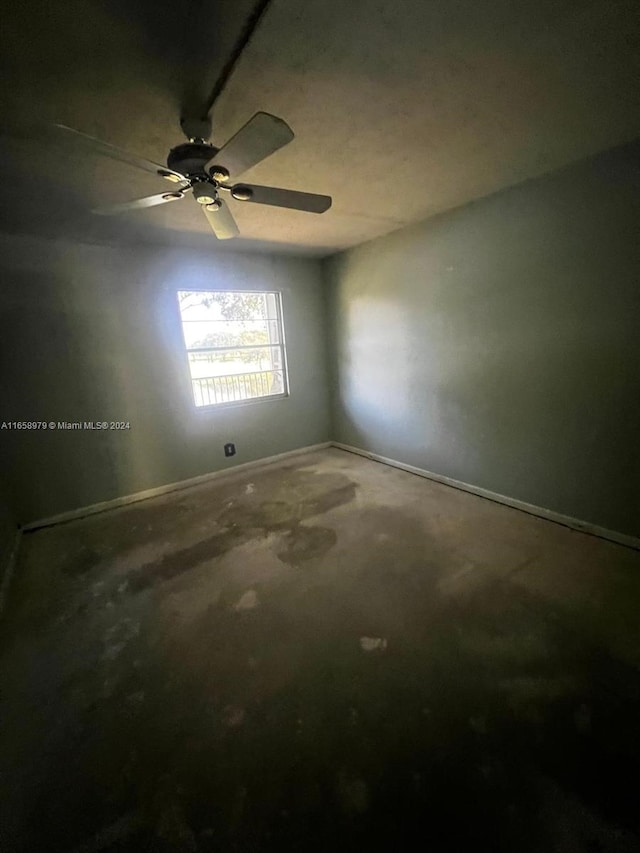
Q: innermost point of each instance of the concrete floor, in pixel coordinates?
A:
(326, 654)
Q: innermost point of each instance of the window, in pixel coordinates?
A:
(235, 345)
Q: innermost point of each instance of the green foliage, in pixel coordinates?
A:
(253, 338)
(246, 338)
(233, 306)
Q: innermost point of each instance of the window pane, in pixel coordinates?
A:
(227, 305)
(230, 361)
(230, 333)
(245, 331)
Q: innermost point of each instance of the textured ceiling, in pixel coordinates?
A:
(401, 109)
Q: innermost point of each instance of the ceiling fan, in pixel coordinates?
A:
(198, 168)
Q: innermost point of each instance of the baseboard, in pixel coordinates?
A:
(92, 509)
(531, 509)
(8, 570)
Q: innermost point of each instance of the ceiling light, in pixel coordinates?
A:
(219, 173)
(205, 194)
(241, 192)
(169, 176)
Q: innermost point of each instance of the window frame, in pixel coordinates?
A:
(282, 345)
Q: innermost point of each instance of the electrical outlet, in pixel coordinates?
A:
(230, 449)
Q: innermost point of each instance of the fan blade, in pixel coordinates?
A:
(221, 221)
(261, 136)
(123, 156)
(310, 202)
(149, 201)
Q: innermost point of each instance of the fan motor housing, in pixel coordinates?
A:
(190, 157)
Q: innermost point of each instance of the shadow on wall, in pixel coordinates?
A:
(78, 350)
(41, 352)
(508, 328)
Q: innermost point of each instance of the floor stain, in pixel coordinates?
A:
(498, 697)
(304, 542)
(249, 517)
(248, 601)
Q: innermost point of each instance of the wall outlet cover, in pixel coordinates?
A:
(230, 449)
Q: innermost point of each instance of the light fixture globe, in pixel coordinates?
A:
(205, 193)
(242, 192)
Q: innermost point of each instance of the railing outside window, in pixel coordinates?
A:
(235, 345)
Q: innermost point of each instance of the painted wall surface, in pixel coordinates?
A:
(90, 333)
(499, 344)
